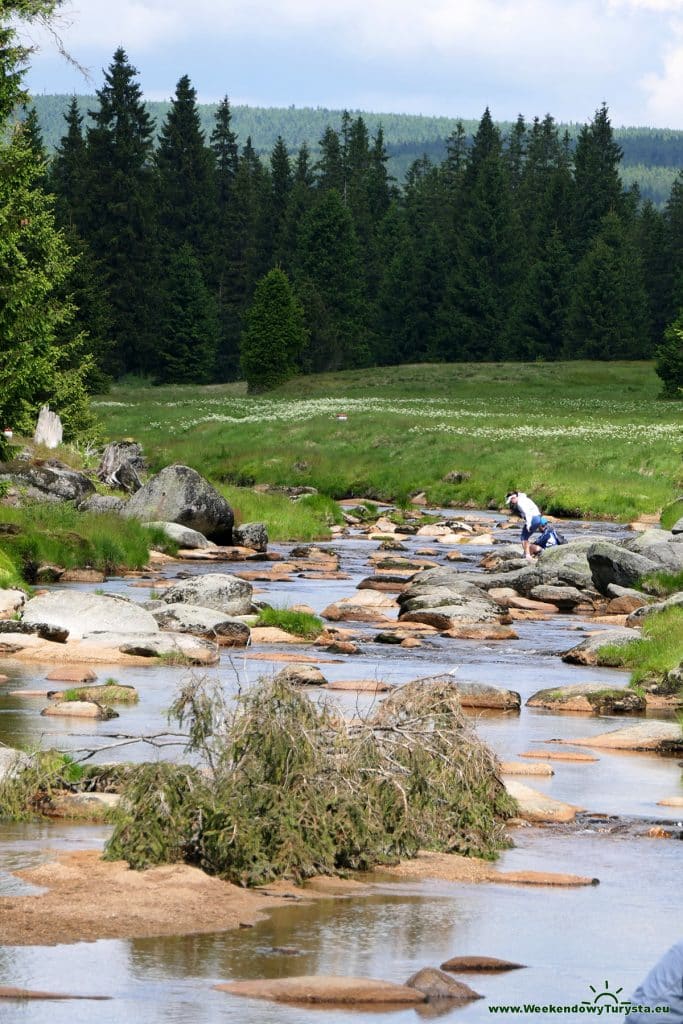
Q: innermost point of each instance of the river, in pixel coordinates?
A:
(577, 943)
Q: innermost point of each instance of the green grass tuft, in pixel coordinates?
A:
(299, 623)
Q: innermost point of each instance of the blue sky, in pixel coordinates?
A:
(450, 57)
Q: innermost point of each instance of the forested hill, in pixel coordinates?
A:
(652, 156)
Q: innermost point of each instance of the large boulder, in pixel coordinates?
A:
(612, 563)
(179, 494)
(51, 481)
(220, 591)
(82, 613)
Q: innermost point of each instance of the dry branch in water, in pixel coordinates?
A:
(290, 788)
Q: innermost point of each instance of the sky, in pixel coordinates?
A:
(439, 57)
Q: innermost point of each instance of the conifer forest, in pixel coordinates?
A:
(183, 256)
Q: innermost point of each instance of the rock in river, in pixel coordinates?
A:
(221, 591)
(82, 613)
(588, 697)
(330, 990)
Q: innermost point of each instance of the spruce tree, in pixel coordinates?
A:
(274, 333)
(69, 171)
(121, 229)
(480, 290)
(657, 270)
(608, 314)
(330, 167)
(188, 327)
(226, 274)
(186, 208)
(328, 258)
(538, 326)
(597, 185)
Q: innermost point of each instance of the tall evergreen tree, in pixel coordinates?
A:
(479, 294)
(226, 276)
(669, 365)
(537, 328)
(69, 171)
(186, 205)
(120, 216)
(188, 327)
(657, 270)
(597, 185)
(274, 333)
(608, 313)
(330, 167)
(328, 263)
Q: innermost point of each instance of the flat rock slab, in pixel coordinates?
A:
(79, 709)
(490, 631)
(671, 801)
(360, 685)
(550, 878)
(71, 674)
(535, 806)
(560, 755)
(82, 613)
(643, 736)
(479, 964)
(275, 635)
(9, 992)
(333, 991)
(522, 768)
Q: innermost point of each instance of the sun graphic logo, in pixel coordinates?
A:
(607, 997)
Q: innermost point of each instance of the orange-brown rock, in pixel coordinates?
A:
(479, 964)
(558, 755)
(10, 992)
(83, 576)
(360, 685)
(486, 631)
(322, 989)
(71, 674)
(522, 768)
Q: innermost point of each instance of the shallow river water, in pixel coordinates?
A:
(577, 943)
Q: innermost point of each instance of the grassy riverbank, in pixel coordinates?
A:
(584, 438)
(48, 533)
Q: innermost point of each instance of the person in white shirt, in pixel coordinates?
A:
(522, 504)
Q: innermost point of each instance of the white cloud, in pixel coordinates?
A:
(546, 54)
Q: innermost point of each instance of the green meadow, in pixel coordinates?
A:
(584, 438)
